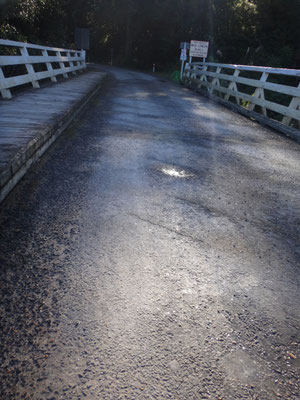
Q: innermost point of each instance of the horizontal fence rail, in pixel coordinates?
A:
(22, 63)
(273, 93)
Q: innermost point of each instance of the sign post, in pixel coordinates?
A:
(183, 56)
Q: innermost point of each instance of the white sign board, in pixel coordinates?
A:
(198, 49)
(183, 56)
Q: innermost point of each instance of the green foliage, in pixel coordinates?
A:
(171, 72)
(142, 32)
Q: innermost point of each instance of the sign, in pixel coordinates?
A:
(183, 56)
(199, 49)
(184, 45)
(82, 39)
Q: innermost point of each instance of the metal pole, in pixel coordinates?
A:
(181, 72)
(182, 62)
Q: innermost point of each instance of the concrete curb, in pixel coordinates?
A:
(30, 154)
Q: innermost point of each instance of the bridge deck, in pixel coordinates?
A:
(154, 254)
(32, 117)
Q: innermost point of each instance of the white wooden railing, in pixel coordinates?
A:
(273, 93)
(58, 62)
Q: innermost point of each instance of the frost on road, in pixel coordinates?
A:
(153, 254)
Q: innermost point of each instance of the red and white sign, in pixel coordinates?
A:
(199, 49)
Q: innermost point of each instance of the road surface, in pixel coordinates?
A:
(154, 254)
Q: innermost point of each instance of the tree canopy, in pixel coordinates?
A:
(143, 32)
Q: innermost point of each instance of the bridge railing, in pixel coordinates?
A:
(271, 94)
(22, 63)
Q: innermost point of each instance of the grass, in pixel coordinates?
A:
(172, 75)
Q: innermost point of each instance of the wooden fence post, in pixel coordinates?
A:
(294, 105)
(30, 68)
(233, 86)
(49, 66)
(260, 94)
(6, 94)
(61, 64)
(71, 62)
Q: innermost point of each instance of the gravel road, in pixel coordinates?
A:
(153, 254)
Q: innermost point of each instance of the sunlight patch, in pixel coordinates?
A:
(172, 171)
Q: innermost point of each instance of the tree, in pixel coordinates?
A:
(142, 32)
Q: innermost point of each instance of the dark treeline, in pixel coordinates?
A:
(142, 32)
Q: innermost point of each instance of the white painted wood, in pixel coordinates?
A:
(262, 103)
(15, 60)
(61, 57)
(22, 79)
(294, 105)
(274, 87)
(233, 86)
(30, 69)
(259, 93)
(226, 86)
(12, 43)
(202, 77)
(62, 66)
(215, 81)
(278, 71)
(71, 63)
(6, 94)
(49, 66)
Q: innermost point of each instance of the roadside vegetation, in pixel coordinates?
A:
(140, 33)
